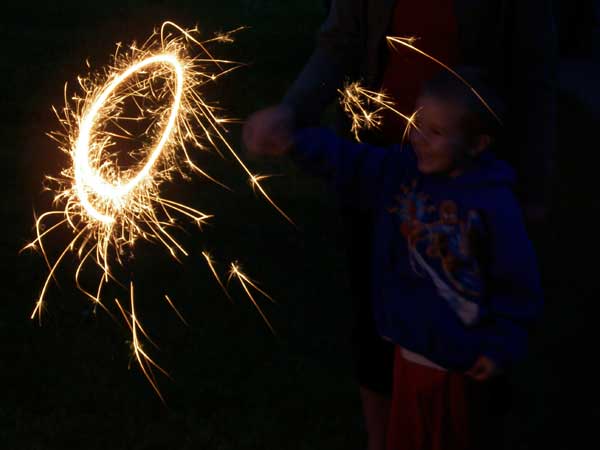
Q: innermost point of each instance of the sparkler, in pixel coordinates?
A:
(108, 208)
(365, 107)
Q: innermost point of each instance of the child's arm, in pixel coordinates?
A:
(515, 299)
(356, 170)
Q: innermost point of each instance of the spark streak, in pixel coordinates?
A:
(245, 282)
(408, 42)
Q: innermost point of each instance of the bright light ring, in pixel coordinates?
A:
(86, 177)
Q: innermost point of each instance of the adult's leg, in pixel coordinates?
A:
(376, 412)
(373, 357)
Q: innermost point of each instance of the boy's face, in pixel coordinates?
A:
(439, 141)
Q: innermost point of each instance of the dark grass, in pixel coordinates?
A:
(71, 383)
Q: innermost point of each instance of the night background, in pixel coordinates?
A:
(71, 383)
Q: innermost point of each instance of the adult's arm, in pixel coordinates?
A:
(335, 58)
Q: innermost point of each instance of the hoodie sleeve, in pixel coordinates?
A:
(357, 171)
(515, 299)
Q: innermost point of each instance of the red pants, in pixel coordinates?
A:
(438, 410)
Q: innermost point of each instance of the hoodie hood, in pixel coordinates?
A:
(489, 171)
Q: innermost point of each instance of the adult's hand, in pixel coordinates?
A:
(269, 131)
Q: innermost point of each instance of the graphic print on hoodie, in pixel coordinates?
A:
(443, 246)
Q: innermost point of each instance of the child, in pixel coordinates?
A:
(455, 283)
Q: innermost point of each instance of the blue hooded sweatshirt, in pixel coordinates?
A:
(454, 273)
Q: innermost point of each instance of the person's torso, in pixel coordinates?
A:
(430, 262)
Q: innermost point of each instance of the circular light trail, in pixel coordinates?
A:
(87, 178)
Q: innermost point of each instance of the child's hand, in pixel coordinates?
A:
(269, 131)
(483, 369)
